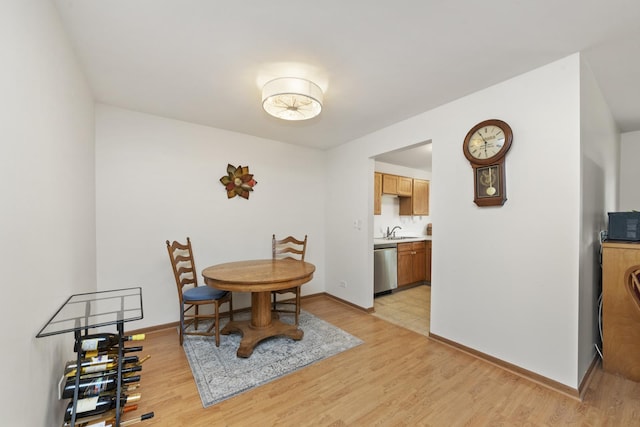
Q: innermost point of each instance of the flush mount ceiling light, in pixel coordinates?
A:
(291, 98)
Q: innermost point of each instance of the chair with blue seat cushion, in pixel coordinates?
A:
(192, 296)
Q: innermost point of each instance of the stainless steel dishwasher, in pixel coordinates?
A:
(385, 269)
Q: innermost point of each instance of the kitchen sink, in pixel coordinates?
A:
(399, 238)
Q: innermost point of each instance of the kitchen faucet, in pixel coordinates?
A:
(393, 231)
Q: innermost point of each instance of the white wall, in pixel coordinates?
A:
(629, 172)
(48, 211)
(158, 179)
(390, 213)
(349, 248)
(600, 142)
(516, 297)
(48, 191)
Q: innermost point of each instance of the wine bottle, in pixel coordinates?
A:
(128, 368)
(103, 341)
(113, 351)
(93, 386)
(97, 364)
(97, 405)
(129, 365)
(125, 388)
(125, 370)
(131, 421)
(95, 420)
(111, 421)
(144, 359)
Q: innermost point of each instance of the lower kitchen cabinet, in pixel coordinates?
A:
(428, 261)
(412, 262)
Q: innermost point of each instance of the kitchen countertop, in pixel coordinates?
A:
(381, 242)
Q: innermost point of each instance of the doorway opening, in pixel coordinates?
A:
(410, 306)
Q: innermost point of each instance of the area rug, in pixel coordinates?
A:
(220, 374)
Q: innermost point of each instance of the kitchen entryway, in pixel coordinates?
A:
(409, 308)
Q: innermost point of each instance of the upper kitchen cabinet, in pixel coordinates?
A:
(397, 185)
(405, 186)
(418, 203)
(377, 193)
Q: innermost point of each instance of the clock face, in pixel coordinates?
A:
(486, 142)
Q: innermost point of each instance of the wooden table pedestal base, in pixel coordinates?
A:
(261, 326)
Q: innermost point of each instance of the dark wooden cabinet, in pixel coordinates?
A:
(412, 263)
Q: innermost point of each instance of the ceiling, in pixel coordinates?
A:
(415, 157)
(205, 61)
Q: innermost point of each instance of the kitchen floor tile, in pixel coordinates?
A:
(409, 308)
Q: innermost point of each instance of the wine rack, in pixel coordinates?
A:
(82, 312)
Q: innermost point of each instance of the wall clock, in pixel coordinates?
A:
(485, 146)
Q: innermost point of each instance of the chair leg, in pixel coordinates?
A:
(195, 320)
(181, 325)
(217, 324)
(297, 306)
(231, 307)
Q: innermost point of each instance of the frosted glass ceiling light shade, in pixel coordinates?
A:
(290, 98)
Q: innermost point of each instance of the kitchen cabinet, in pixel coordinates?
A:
(428, 261)
(405, 186)
(418, 203)
(377, 193)
(397, 185)
(412, 263)
(420, 197)
(620, 315)
(389, 184)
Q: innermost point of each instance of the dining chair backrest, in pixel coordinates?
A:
(632, 281)
(184, 269)
(192, 296)
(289, 247)
(293, 249)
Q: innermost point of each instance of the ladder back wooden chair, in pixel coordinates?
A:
(293, 249)
(191, 296)
(632, 281)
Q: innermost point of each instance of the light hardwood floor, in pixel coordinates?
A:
(396, 378)
(409, 308)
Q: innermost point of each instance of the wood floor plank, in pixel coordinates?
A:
(396, 378)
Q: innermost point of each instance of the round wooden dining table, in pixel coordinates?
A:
(259, 277)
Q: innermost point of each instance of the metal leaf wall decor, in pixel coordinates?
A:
(238, 181)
